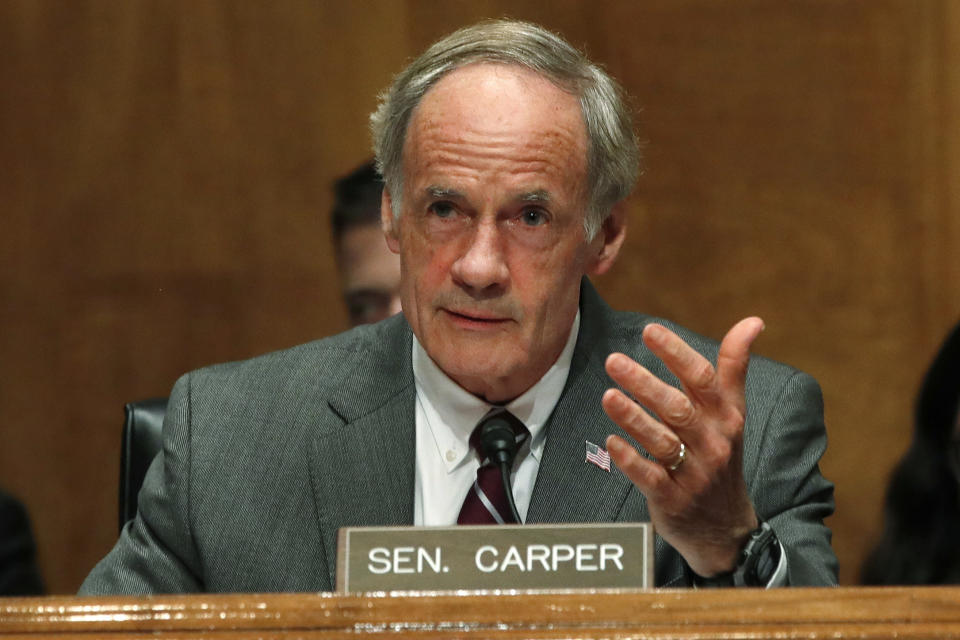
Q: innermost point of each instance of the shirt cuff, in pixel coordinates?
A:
(779, 577)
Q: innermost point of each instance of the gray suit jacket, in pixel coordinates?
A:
(264, 460)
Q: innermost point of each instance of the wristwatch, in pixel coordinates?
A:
(756, 564)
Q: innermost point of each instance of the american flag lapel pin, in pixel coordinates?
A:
(598, 456)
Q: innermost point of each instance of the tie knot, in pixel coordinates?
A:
(499, 430)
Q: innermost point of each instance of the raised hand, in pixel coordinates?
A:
(695, 489)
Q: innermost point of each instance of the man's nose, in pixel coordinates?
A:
(482, 267)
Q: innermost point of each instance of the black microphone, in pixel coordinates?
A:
(499, 444)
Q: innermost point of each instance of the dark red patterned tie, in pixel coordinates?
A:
(486, 502)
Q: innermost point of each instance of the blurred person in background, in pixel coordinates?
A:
(921, 537)
(18, 568)
(369, 271)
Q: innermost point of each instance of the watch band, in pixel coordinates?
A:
(756, 563)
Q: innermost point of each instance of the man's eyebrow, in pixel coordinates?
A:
(438, 192)
(540, 195)
(435, 191)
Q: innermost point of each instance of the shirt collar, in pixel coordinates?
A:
(452, 412)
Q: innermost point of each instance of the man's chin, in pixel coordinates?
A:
(481, 371)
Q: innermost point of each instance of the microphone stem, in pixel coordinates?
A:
(508, 488)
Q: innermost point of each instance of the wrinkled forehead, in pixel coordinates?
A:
(508, 91)
(497, 111)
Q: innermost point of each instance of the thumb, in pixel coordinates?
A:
(734, 357)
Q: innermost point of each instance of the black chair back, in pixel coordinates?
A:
(141, 442)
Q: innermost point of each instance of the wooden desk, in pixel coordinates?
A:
(910, 613)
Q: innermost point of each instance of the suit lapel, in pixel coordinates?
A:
(569, 489)
(362, 461)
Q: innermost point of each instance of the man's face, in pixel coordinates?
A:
(369, 274)
(491, 238)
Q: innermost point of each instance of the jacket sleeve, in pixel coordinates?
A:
(156, 552)
(787, 487)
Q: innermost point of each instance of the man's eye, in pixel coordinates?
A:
(441, 209)
(533, 217)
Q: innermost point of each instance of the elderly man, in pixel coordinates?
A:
(506, 156)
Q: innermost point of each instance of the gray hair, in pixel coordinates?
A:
(613, 156)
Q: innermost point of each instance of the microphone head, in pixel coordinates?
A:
(498, 441)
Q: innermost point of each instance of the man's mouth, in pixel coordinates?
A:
(476, 319)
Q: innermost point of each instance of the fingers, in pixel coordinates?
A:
(660, 441)
(708, 385)
(695, 372)
(650, 477)
(668, 402)
(709, 405)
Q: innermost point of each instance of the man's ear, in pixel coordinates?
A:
(388, 223)
(606, 245)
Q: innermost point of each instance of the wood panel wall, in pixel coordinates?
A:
(164, 188)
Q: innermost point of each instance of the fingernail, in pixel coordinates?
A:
(616, 402)
(654, 333)
(613, 445)
(618, 365)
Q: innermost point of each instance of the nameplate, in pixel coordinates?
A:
(561, 556)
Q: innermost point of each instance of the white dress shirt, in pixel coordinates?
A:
(447, 415)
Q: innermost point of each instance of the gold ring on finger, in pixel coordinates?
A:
(673, 466)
